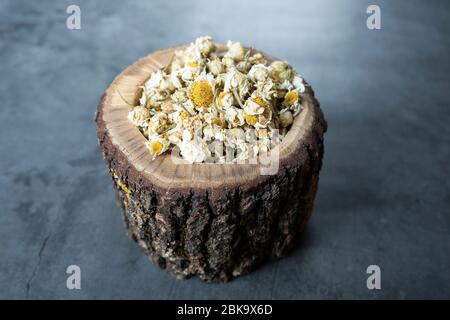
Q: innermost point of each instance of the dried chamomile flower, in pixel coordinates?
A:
(236, 50)
(201, 91)
(234, 116)
(190, 71)
(236, 81)
(139, 116)
(243, 66)
(225, 100)
(292, 101)
(257, 58)
(155, 81)
(285, 118)
(165, 84)
(291, 98)
(266, 89)
(284, 86)
(254, 106)
(157, 145)
(159, 123)
(280, 71)
(228, 62)
(192, 56)
(257, 112)
(298, 83)
(212, 118)
(220, 79)
(179, 96)
(258, 72)
(216, 66)
(201, 94)
(204, 44)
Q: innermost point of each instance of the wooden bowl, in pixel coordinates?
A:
(216, 221)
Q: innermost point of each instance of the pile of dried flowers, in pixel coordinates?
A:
(226, 106)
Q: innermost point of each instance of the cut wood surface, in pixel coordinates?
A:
(216, 221)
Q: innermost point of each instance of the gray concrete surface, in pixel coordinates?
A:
(384, 193)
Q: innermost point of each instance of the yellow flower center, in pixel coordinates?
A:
(201, 94)
(250, 119)
(260, 101)
(193, 64)
(291, 98)
(157, 147)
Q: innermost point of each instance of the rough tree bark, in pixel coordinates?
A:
(215, 221)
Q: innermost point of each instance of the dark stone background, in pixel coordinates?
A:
(384, 192)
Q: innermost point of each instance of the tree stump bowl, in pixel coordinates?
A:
(214, 221)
